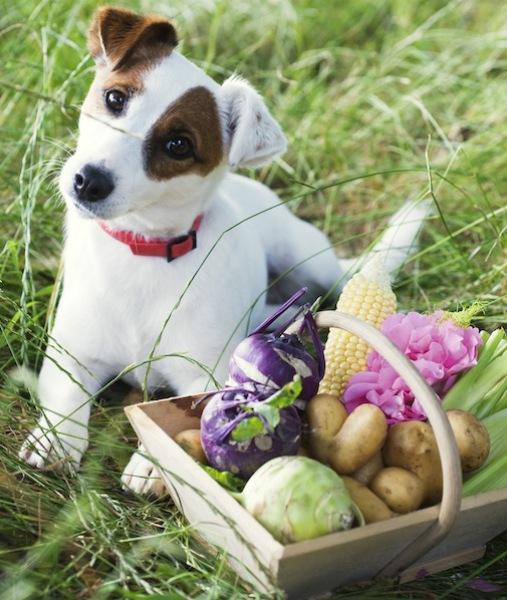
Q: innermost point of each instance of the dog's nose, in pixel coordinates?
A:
(93, 183)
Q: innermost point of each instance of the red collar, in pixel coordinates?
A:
(168, 249)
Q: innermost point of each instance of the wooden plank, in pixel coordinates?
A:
(422, 569)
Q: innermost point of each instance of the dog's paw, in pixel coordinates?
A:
(141, 476)
(47, 449)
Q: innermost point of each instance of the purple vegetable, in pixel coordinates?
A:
(274, 359)
(251, 409)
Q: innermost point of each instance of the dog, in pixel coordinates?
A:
(168, 253)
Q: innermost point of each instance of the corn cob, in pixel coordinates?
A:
(369, 297)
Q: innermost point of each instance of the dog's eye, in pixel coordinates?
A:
(115, 101)
(179, 147)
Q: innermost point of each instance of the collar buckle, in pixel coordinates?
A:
(182, 244)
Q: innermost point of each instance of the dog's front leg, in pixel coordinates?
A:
(65, 389)
(141, 475)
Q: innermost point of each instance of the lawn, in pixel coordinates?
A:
(381, 100)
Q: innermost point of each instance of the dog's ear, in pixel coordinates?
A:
(121, 39)
(254, 137)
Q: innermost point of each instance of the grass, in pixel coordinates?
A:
(381, 100)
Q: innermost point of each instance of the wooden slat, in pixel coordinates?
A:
(426, 568)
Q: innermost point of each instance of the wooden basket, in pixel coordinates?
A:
(425, 541)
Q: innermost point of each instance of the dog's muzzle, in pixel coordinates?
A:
(92, 183)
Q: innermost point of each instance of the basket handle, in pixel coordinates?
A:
(449, 457)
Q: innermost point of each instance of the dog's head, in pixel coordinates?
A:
(155, 131)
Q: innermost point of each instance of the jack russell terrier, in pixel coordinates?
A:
(166, 251)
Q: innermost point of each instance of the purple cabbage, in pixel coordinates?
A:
(273, 359)
(232, 408)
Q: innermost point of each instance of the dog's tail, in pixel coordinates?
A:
(399, 240)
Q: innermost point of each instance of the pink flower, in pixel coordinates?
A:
(439, 349)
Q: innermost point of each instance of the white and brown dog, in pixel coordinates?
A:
(150, 194)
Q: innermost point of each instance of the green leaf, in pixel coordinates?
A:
(269, 409)
(287, 395)
(475, 390)
(248, 429)
(270, 413)
(464, 317)
(225, 478)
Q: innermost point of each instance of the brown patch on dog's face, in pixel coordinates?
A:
(122, 39)
(125, 46)
(194, 118)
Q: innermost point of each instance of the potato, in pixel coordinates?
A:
(326, 415)
(370, 505)
(400, 489)
(412, 446)
(190, 441)
(368, 471)
(472, 439)
(360, 438)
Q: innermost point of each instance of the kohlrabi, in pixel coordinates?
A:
(244, 427)
(297, 498)
(274, 359)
